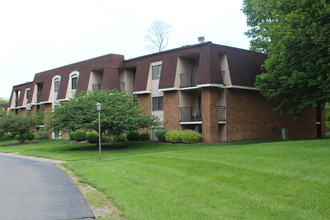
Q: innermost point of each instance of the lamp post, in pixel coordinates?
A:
(99, 108)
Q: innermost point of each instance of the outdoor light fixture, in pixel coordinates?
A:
(99, 108)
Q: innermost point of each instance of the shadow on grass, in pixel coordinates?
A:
(108, 146)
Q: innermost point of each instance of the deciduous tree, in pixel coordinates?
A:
(119, 113)
(158, 35)
(18, 125)
(295, 35)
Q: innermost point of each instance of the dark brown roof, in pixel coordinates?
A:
(244, 65)
(108, 63)
(21, 88)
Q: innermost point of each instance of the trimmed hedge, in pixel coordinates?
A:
(92, 137)
(41, 134)
(173, 136)
(186, 136)
(160, 134)
(144, 136)
(118, 138)
(133, 136)
(190, 137)
(78, 135)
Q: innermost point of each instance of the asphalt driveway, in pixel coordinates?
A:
(38, 190)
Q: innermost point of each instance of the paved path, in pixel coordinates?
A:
(33, 190)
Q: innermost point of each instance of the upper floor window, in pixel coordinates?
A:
(27, 93)
(56, 85)
(74, 81)
(156, 69)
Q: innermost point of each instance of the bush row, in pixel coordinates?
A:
(186, 136)
(93, 137)
(136, 136)
(40, 134)
(132, 136)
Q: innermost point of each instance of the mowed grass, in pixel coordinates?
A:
(250, 180)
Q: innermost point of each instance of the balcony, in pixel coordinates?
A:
(221, 113)
(190, 114)
(96, 87)
(187, 80)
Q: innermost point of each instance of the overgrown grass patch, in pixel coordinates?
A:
(244, 180)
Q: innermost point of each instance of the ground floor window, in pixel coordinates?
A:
(157, 103)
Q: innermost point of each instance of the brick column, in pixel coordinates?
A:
(171, 110)
(145, 103)
(209, 115)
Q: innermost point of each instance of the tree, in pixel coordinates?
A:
(295, 35)
(3, 101)
(18, 125)
(158, 35)
(119, 113)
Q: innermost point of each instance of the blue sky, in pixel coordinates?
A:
(37, 35)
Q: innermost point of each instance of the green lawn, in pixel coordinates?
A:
(251, 180)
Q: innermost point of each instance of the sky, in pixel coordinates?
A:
(38, 35)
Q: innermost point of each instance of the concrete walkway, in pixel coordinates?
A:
(36, 189)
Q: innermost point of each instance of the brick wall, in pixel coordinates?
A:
(171, 110)
(250, 116)
(209, 115)
(145, 103)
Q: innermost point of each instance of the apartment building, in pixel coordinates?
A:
(205, 87)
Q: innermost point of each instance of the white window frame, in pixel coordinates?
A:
(159, 69)
(74, 74)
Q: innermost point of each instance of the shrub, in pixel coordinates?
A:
(28, 136)
(144, 136)
(92, 137)
(133, 136)
(190, 137)
(118, 138)
(173, 136)
(105, 139)
(41, 134)
(72, 136)
(160, 134)
(78, 135)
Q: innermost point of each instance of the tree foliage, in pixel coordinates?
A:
(295, 35)
(18, 125)
(119, 113)
(158, 35)
(3, 101)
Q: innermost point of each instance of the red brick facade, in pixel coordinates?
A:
(250, 116)
(205, 87)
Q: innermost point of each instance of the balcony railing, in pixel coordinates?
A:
(96, 87)
(221, 113)
(190, 114)
(187, 80)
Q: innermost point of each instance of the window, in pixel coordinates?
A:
(56, 85)
(74, 81)
(157, 103)
(27, 93)
(156, 71)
